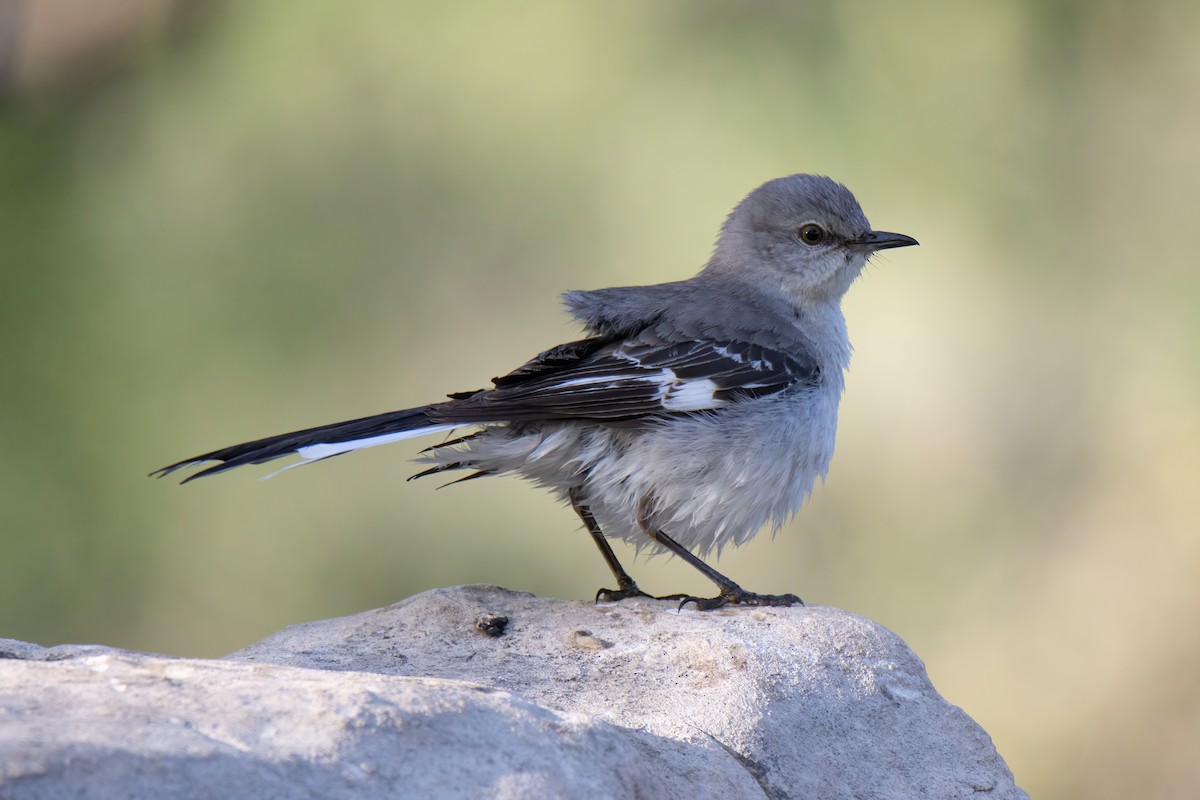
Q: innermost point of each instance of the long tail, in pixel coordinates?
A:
(314, 444)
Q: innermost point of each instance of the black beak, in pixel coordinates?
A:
(882, 240)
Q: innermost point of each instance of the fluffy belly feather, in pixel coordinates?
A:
(715, 480)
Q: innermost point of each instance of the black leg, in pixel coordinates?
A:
(626, 587)
(730, 594)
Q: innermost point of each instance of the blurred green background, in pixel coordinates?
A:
(222, 221)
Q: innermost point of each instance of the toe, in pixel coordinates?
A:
(613, 595)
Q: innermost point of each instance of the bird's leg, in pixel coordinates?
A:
(626, 587)
(730, 594)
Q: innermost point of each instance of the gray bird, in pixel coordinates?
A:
(693, 414)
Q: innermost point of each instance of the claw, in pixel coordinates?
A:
(624, 593)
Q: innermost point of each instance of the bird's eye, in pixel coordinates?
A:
(812, 234)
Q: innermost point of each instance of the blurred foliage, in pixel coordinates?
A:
(264, 216)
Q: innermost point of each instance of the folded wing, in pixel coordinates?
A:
(646, 375)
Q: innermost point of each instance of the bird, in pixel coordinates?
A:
(690, 416)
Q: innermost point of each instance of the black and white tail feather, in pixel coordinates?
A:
(602, 380)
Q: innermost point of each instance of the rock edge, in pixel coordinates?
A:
(477, 691)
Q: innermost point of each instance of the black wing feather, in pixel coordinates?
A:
(553, 360)
(648, 375)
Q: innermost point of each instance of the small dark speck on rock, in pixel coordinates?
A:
(491, 624)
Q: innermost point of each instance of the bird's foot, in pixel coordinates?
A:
(632, 590)
(736, 595)
(624, 593)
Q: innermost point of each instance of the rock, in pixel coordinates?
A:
(480, 692)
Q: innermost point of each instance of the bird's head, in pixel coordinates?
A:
(806, 231)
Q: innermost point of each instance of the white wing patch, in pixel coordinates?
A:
(675, 393)
(693, 395)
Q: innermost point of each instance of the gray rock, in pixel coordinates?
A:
(478, 692)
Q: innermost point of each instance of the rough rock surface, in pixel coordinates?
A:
(478, 692)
